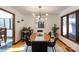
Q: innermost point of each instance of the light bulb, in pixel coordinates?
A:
(46, 14)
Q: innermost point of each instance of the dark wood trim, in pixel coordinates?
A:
(67, 26)
(76, 24)
(13, 23)
(67, 47)
(13, 28)
(62, 26)
(17, 42)
(6, 11)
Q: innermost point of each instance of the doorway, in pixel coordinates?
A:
(7, 21)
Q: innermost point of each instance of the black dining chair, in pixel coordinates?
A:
(39, 46)
(28, 42)
(49, 34)
(52, 44)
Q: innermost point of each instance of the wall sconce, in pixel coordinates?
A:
(18, 21)
(22, 20)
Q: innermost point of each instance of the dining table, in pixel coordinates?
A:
(45, 36)
(39, 42)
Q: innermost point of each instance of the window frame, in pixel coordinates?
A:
(67, 15)
(13, 23)
(62, 26)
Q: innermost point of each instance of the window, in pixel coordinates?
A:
(1, 22)
(5, 19)
(6, 22)
(64, 26)
(70, 26)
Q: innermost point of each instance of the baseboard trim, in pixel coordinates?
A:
(67, 47)
(17, 42)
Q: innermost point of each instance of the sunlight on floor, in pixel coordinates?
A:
(16, 49)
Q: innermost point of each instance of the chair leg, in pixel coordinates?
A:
(0, 43)
(54, 48)
(26, 48)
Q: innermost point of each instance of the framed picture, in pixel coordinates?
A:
(40, 24)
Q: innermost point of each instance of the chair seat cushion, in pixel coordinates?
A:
(28, 43)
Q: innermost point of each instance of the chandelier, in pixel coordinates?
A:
(40, 14)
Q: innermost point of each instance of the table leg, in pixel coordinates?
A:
(0, 42)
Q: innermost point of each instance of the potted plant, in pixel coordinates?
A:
(54, 30)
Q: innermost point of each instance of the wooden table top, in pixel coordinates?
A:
(46, 37)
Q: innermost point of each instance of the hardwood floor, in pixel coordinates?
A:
(18, 46)
(64, 46)
(60, 44)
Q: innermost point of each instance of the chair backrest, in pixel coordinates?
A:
(28, 42)
(49, 34)
(39, 46)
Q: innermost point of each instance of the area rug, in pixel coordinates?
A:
(4, 47)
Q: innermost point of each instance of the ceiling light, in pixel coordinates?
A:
(40, 14)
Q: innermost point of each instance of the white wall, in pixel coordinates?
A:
(51, 20)
(66, 41)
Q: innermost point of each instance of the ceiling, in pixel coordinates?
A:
(43, 9)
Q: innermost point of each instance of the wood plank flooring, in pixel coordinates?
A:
(64, 46)
(16, 47)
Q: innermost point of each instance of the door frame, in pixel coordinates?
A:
(12, 23)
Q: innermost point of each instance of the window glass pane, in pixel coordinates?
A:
(72, 26)
(1, 22)
(7, 23)
(65, 26)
